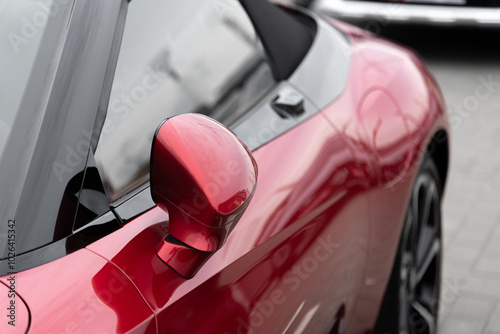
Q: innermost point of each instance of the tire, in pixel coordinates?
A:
(411, 300)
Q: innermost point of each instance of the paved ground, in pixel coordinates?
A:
(464, 61)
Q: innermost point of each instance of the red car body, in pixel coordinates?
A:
(318, 238)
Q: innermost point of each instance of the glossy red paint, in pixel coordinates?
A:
(313, 250)
(321, 232)
(390, 112)
(203, 176)
(303, 234)
(183, 259)
(94, 296)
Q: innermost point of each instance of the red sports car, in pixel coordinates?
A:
(214, 167)
(381, 13)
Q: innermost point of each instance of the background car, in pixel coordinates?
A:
(438, 12)
(126, 207)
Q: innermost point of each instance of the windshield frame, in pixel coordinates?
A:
(69, 109)
(17, 153)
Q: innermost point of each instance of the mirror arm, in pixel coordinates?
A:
(185, 260)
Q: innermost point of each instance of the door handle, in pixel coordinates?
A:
(288, 103)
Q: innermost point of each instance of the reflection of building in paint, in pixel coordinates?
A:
(115, 293)
(381, 114)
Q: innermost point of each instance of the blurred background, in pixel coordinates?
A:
(465, 59)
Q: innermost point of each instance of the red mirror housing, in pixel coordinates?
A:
(204, 176)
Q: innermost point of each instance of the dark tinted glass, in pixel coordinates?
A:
(176, 57)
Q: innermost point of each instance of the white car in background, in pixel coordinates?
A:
(441, 12)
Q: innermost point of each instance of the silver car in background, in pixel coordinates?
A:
(439, 12)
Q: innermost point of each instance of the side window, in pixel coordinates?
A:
(176, 57)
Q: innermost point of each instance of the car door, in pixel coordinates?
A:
(295, 261)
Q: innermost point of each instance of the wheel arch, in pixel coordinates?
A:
(439, 150)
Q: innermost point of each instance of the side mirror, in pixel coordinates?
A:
(204, 177)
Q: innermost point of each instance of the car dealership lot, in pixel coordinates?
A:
(467, 67)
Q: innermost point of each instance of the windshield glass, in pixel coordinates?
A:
(31, 38)
(21, 29)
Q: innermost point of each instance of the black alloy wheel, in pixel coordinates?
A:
(412, 296)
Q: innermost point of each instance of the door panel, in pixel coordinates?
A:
(298, 253)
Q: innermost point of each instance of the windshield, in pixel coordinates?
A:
(22, 26)
(30, 38)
